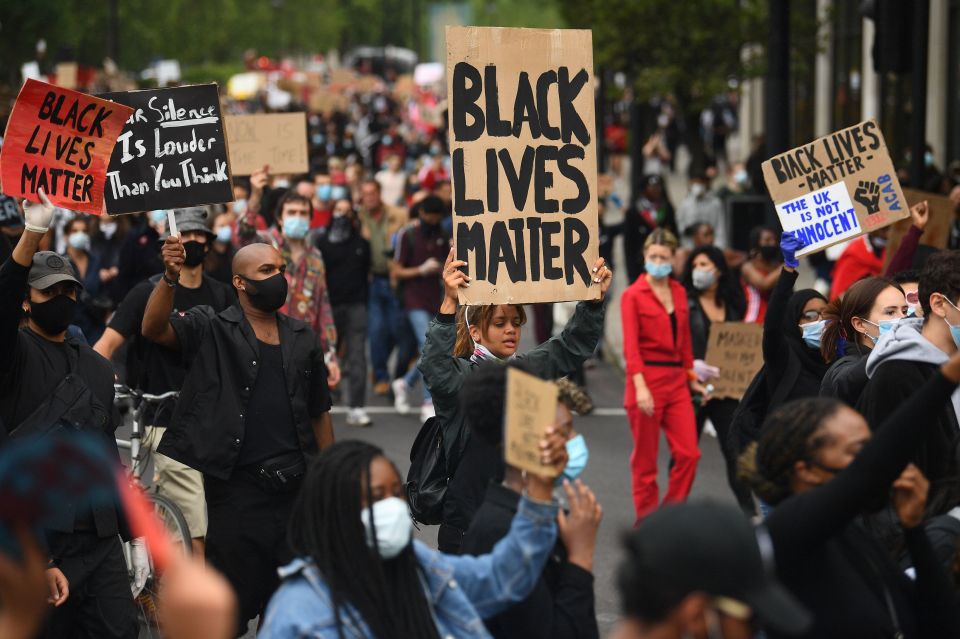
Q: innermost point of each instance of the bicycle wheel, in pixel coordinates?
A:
(179, 533)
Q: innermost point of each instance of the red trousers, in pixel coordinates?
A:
(673, 412)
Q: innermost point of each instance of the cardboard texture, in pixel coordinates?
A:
(172, 152)
(836, 188)
(531, 409)
(61, 141)
(524, 163)
(276, 139)
(736, 348)
(937, 231)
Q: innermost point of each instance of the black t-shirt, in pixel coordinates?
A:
(270, 430)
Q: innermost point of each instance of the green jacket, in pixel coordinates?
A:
(443, 373)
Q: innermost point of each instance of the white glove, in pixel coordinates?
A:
(140, 565)
(705, 371)
(430, 266)
(38, 215)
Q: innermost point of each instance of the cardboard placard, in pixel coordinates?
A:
(836, 188)
(172, 152)
(524, 163)
(736, 348)
(276, 139)
(60, 140)
(531, 409)
(937, 231)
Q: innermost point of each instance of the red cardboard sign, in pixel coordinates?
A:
(61, 141)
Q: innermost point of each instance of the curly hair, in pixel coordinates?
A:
(575, 398)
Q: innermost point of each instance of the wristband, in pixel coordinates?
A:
(169, 282)
(36, 229)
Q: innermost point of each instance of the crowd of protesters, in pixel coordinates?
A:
(307, 291)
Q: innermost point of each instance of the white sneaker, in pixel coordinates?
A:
(358, 417)
(426, 411)
(400, 402)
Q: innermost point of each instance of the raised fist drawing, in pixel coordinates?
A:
(868, 194)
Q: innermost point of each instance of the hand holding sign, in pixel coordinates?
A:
(789, 245)
(173, 255)
(453, 280)
(37, 215)
(602, 275)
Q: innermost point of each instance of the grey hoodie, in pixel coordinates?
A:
(905, 342)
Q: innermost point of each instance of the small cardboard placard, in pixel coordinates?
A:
(736, 348)
(60, 140)
(172, 152)
(531, 409)
(278, 140)
(524, 163)
(66, 75)
(937, 231)
(836, 188)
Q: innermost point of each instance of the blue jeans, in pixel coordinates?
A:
(419, 319)
(383, 318)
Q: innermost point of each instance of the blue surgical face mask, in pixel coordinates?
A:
(240, 206)
(928, 158)
(339, 193)
(393, 526)
(317, 139)
(577, 456)
(79, 240)
(323, 192)
(658, 270)
(295, 227)
(954, 330)
(812, 333)
(883, 327)
(224, 234)
(158, 215)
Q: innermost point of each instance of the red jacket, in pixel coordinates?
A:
(647, 333)
(857, 261)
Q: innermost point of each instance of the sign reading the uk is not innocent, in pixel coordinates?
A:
(836, 188)
(172, 152)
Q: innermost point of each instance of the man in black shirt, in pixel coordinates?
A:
(154, 369)
(48, 379)
(254, 404)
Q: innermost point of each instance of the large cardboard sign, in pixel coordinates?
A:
(524, 163)
(531, 409)
(836, 188)
(736, 348)
(172, 152)
(276, 139)
(60, 140)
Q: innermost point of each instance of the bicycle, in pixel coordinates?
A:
(167, 511)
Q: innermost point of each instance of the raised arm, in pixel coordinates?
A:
(156, 318)
(774, 341)
(902, 260)
(443, 372)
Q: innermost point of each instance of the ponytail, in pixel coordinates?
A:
(834, 336)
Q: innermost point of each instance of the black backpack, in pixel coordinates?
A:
(428, 477)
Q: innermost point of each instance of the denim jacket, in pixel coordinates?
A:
(461, 590)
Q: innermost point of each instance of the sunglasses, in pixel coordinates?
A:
(812, 316)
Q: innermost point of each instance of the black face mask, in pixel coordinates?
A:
(53, 316)
(268, 294)
(770, 253)
(195, 253)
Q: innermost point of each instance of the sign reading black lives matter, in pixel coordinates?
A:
(836, 188)
(172, 151)
(524, 163)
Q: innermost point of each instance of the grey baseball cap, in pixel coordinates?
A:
(48, 269)
(193, 218)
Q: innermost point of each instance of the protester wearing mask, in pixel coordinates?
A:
(868, 310)
(817, 464)
(697, 571)
(360, 573)
(254, 406)
(656, 346)
(93, 305)
(322, 201)
(347, 258)
(251, 206)
(106, 238)
(50, 381)
(760, 272)
(714, 295)
(422, 247)
(220, 256)
(307, 298)
(651, 211)
(863, 257)
(154, 369)
(702, 205)
(909, 281)
(457, 341)
(562, 603)
(138, 254)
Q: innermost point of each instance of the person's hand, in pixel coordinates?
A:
(58, 585)
(196, 602)
(140, 565)
(705, 372)
(453, 277)
(333, 374)
(920, 213)
(789, 245)
(553, 452)
(431, 266)
(173, 255)
(699, 389)
(578, 529)
(25, 590)
(602, 275)
(37, 215)
(910, 496)
(259, 178)
(645, 400)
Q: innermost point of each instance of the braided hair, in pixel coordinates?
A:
(791, 433)
(386, 595)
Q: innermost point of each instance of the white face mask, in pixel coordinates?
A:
(697, 189)
(393, 525)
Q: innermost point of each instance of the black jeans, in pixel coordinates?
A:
(247, 538)
(100, 605)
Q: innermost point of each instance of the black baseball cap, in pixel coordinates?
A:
(193, 218)
(48, 269)
(710, 548)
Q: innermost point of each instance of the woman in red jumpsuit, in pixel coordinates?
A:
(657, 349)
